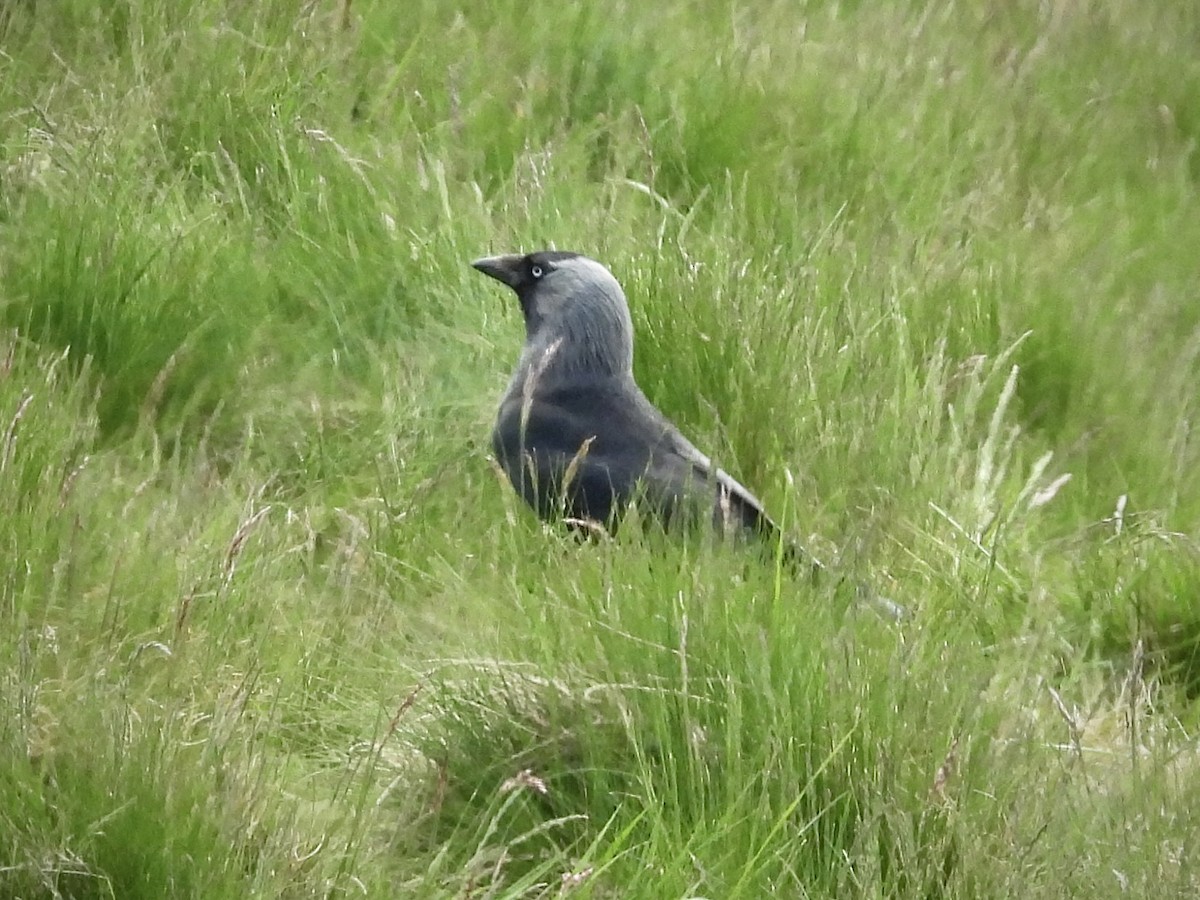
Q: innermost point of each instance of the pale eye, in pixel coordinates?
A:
(536, 271)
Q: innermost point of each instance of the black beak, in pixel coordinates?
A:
(505, 269)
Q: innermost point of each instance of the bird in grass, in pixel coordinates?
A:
(576, 436)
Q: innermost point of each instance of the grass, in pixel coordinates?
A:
(923, 276)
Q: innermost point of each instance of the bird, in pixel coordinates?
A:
(579, 440)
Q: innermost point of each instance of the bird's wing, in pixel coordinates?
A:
(605, 441)
(593, 446)
(735, 503)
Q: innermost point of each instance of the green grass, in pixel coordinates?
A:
(924, 277)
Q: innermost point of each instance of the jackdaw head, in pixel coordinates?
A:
(570, 303)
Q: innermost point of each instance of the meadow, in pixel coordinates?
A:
(926, 277)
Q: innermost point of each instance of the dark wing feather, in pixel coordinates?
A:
(734, 506)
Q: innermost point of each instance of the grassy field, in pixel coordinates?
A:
(927, 278)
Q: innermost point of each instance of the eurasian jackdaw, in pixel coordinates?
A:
(575, 434)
